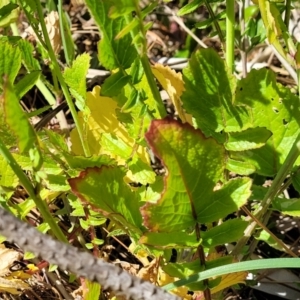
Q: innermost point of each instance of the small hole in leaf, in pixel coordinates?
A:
(280, 100)
(241, 88)
(285, 122)
(276, 111)
(272, 99)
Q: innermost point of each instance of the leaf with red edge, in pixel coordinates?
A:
(195, 165)
(106, 190)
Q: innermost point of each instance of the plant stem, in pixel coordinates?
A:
(60, 78)
(270, 195)
(280, 177)
(63, 29)
(230, 35)
(41, 205)
(287, 16)
(215, 21)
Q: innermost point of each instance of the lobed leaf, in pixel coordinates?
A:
(274, 107)
(194, 165)
(112, 53)
(209, 90)
(106, 190)
(76, 75)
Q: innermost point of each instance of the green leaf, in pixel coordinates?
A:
(28, 59)
(149, 8)
(26, 83)
(287, 206)
(228, 232)
(75, 76)
(170, 240)
(267, 238)
(296, 181)
(182, 270)
(112, 53)
(16, 118)
(274, 107)
(93, 290)
(8, 13)
(258, 264)
(209, 90)
(229, 198)
(136, 71)
(129, 27)
(239, 167)
(194, 166)
(10, 62)
(114, 84)
(190, 7)
(57, 183)
(105, 189)
(8, 178)
(251, 138)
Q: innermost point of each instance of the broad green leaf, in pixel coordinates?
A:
(228, 232)
(8, 177)
(105, 189)
(10, 62)
(75, 76)
(190, 7)
(114, 84)
(170, 240)
(8, 13)
(57, 183)
(239, 167)
(287, 206)
(267, 238)
(16, 118)
(208, 96)
(251, 138)
(112, 53)
(229, 198)
(194, 166)
(274, 107)
(26, 83)
(28, 59)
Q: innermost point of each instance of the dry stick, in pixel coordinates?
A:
(81, 263)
